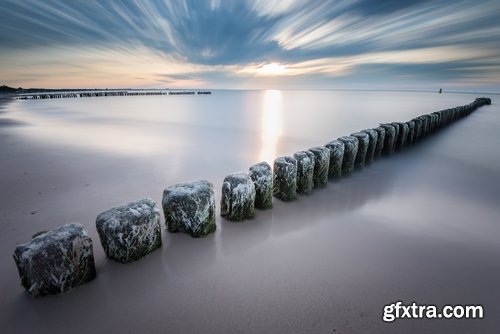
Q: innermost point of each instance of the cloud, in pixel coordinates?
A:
(219, 42)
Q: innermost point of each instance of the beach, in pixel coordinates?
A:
(419, 226)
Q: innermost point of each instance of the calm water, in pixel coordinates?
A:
(422, 225)
(240, 127)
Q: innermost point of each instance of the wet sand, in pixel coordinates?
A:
(421, 226)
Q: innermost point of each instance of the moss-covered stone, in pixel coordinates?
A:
(401, 134)
(390, 138)
(363, 143)
(372, 145)
(131, 231)
(418, 129)
(56, 261)
(305, 172)
(190, 208)
(262, 177)
(238, 197)
(321, 165)
(426, 128)
(285, 179)
(350, 152)
(336, 148)
(380, 142)
(411, 132)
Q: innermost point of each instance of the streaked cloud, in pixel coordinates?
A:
(242, 44)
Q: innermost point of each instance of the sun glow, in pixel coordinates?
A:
(272, 69)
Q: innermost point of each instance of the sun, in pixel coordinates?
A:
(272, 69)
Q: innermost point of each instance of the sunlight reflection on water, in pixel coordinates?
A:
(244, 126)
(272, 124)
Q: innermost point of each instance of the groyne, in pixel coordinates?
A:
(104, 93)
(56, 261)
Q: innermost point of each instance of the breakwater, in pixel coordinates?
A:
(104, 93)
(133, 228)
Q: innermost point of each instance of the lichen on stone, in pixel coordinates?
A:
(189, 207)
(321, 165)
(305, 172)
(380, 142)
(56, 261)
(372, 145)
(131, 231)
(262, 177)
(350, 152)
(390, 138)
(336, 148)
(285, 178)
(238, 197)
(363, 142)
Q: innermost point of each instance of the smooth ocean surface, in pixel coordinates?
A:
(422, 225)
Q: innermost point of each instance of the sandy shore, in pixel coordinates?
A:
(420, 226)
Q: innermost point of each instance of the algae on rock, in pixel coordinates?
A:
(56, 261)
(238, 197)
(190, 208)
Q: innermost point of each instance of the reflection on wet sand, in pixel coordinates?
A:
(177, 245)
(340, 197)
(337, 199)
(418, 226)
(4, 121)
(238, 238)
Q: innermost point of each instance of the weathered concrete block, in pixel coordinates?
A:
(285, 179)
(190, 208)
(131, 231)
(363, 142)
(390, 138)
(372, 145)
(238, 197)
(305, 172)
(262, 177)
(336, 148)
(380, 141)
(350, 151)
(321, 165)
(401, 134)
(56, 261)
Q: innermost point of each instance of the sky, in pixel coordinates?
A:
(254, 44)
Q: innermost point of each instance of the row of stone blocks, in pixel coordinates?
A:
(56, 261)
(311, 169)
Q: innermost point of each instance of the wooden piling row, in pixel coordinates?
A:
(104, 93)
(132, 231)
(354, 152)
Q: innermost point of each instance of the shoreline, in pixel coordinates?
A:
(327, 261)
